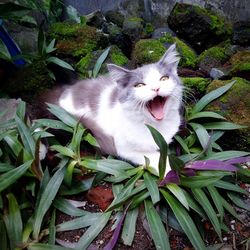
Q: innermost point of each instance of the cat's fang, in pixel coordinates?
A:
(156, 107)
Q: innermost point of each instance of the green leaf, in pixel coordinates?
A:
(52, 228)
(202, 134)
(80, 222)
(230, 186)
(175, 163)
(26, 136)
(226, 155)
(199, 181)
(185, 221)
(93, 232)
(14, 144)
(4, 53)
(5, 167)
(59, 62)
(182, 143)
(63, 150)
(152, 187)
(161, 143)
(156, 226)
(66, 207)
(12, 176)
(51, 47)
(40, 246)
(51, 124)
(205, 100)
(129, 227)
(69, 173)
(3, 236)
(223, 126)
(205, 114)
(62, 114)
(77, 138)
(13, 222)
(41, 42)
(238, 201)
(178, 193)
(100, 61)
(202, 199)
(21, 110)
(48, 196)
(217, 200)
(230, 209)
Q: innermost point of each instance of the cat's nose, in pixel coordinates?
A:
(156, 89)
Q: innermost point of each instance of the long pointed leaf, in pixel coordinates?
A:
(185, 221)
(100, 61)
(157, 229)
(152, 187)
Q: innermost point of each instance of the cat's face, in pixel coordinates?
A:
(152, 88)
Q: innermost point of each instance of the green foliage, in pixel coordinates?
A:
(196, 83)
(202, 194)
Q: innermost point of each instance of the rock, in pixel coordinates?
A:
(101, 196)
(187, 54)
(133, 27)
(215, 57)
(160, 32)
(115, 17)
(8, 107)
(29, 82)
(96, 19)
(235, 106)
(241, 33)
(240, 64)
(198, 85)
(147, 51)
(118, 38)
(216, 73)
(87, 63)
(201, 28)
(76, 40)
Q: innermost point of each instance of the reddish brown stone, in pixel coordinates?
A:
(101, 196)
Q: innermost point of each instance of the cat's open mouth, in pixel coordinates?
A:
(156, 107)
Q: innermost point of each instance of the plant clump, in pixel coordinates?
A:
(133, 27)
(188, 56)
(148, 51)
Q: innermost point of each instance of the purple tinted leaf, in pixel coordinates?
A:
(111, 244)
(238, 160)
(188, 172)
(171, 177)
(211, 165)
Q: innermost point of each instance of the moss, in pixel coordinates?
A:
(135, 19)
(217, 53)
(240, 56)
(241, 67)
(31, 80)
(75, 40)
(148, 51)
(149, 28)
(117, 57)
(83, 64)
(196, 83)
(235, 104)
(188, 56)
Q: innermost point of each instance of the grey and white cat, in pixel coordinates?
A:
(117, 107)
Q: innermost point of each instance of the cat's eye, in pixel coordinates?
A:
(138, 85)
(164, 78)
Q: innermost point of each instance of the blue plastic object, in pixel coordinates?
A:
(12, 47)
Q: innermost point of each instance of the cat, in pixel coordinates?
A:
(116, 107)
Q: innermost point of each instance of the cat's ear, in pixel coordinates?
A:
(170, 58)
(119, 74)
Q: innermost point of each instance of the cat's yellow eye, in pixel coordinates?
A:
(164, 78)
(138, 85)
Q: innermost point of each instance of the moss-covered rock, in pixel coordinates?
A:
(196, 84)
(133, 27)
(199, 26)
(147, 51)
(29, 81)
(240, 64)
(76, 40)
(188, 56)
(235, 106)
(87, 63)
(115, 17)
(215, 56)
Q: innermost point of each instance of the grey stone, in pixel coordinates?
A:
(216, 73)
(8, 107)
(161, 32)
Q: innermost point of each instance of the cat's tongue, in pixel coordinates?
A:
(156, 107)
